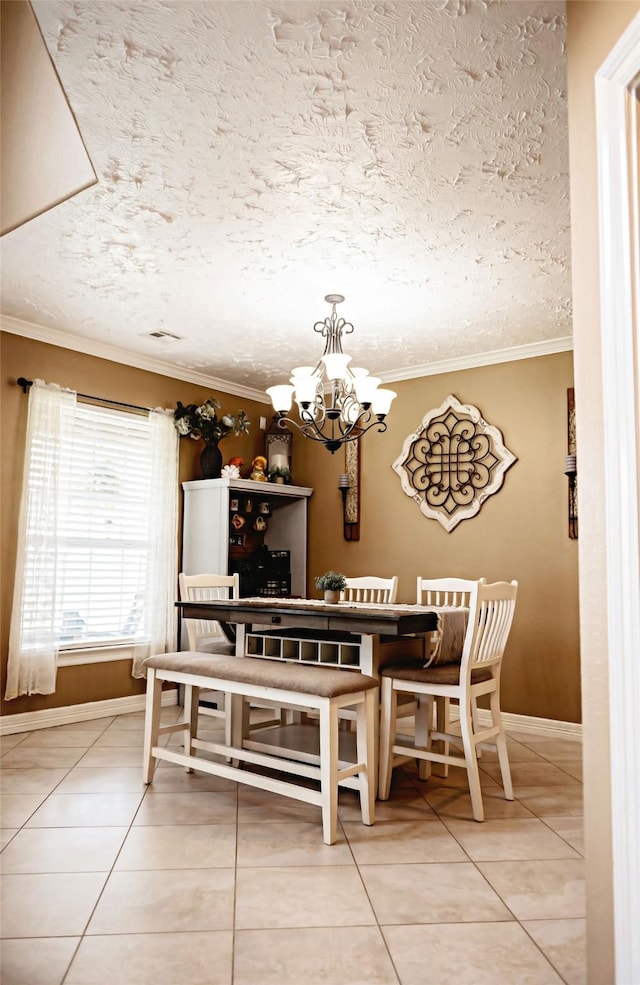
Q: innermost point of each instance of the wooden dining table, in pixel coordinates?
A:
(371, 629)
(356, 636)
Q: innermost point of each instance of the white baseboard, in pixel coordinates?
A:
(548, 728)
(31, 720)
(28, 721)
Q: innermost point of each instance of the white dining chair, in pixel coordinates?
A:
(370, 589)
(491, 610)
(206, 635)
(443, 593)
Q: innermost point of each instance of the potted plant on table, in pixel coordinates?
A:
(331, 583)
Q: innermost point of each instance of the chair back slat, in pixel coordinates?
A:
(445, 592)
(490, 618)
(370, 589)
(204, 588)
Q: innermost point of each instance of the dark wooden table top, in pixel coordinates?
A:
(352, 617)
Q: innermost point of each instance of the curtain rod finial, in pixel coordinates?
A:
(25, 384)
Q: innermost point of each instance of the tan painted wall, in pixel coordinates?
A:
(519, 533)
(86, 374)
(593, 29)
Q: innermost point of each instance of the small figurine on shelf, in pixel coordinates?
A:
(258, 465)
(232, 470)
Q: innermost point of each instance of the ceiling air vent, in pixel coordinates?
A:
(164, 336)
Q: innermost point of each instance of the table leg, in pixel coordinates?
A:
(369, 665)
(241, 633)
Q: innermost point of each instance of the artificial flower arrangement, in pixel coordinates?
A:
(202, 421)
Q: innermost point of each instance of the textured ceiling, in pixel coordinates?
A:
(255, 156)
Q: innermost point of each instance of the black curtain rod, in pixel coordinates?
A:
(25, 384)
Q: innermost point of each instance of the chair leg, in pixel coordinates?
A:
(423, 728)
(473, 773)
(442, 725)
(329, 771)
(476, 722)
(501, 744)
(366, 753)
(388, 710)
(151, 723)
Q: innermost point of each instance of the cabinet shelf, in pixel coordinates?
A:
(211, 543)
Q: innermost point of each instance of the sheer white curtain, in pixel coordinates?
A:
(31, 667)
(160, 611)
(54, 429)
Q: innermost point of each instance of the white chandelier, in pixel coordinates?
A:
(336, 403)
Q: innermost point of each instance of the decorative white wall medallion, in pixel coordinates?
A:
(453, 462)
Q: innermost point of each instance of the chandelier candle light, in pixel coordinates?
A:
(336, 403)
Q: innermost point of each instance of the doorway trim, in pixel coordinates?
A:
(618, 122)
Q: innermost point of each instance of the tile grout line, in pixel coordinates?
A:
(106, 881)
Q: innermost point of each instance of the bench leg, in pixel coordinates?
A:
(329, 770)
(366, 753)
(151, 723)
(237, 721)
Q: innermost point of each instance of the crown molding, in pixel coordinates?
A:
(476, 359)
(103, 351)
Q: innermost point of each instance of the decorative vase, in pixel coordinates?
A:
(211, 461)
(331, 595)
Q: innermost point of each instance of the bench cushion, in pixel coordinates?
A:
(325, 682)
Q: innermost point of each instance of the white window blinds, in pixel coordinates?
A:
(104, 533)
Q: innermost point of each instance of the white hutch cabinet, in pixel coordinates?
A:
(256, 528)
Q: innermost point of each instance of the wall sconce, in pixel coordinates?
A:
(343, 486)
(570, 466)
(571, 471)
(351, 526)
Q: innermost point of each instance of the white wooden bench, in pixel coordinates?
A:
(322, 689)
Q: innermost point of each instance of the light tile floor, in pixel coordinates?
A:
(198, 881)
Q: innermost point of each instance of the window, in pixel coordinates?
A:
(97, 546)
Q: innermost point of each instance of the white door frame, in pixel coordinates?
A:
(618, 119)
